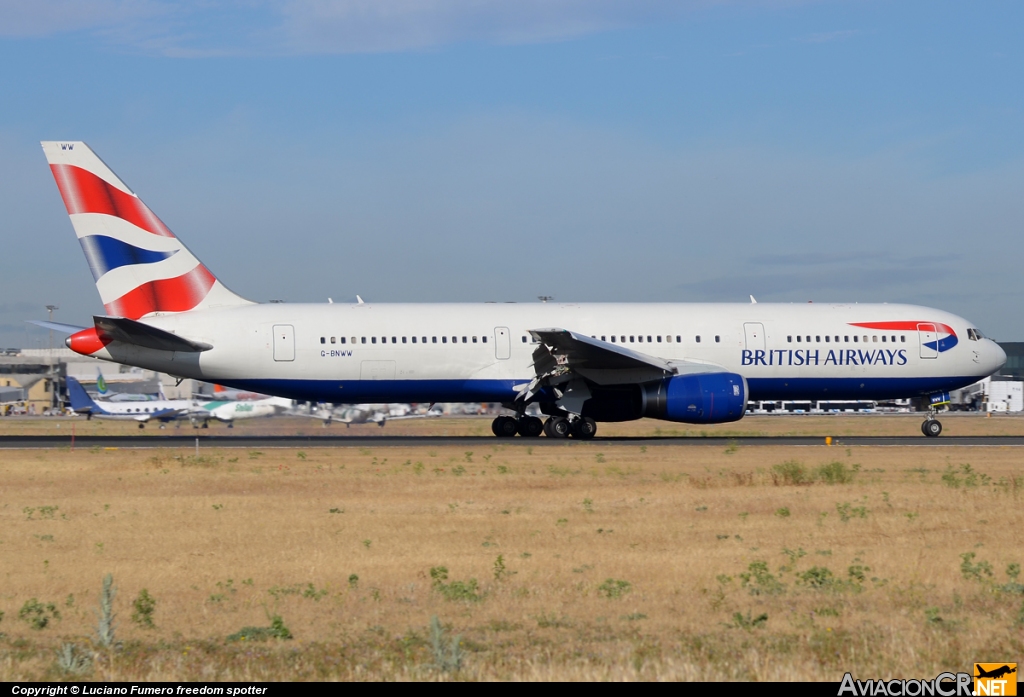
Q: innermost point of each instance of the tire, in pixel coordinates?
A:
(931, 428)
(504, 427)
(559, 427)
(530, 427)
(584, 428)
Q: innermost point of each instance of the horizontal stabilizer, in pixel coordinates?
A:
(131, 332)
(56, 326)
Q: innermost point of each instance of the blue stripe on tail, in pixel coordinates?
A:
(105, 253)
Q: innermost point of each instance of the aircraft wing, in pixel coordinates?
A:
(164, 415)
(564, 355)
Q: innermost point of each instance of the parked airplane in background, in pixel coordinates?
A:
(379, 414)
(162, 410)
(237, 410)
(580, 363)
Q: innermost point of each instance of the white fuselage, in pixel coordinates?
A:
(484, 352)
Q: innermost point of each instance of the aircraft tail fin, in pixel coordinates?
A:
(140, 267)
(81, 402)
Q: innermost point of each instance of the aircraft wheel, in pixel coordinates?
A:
(231, 424)
(584, 428)
(142, 425)
(530, 427)
(206, 424)
(504, 427)
(558, 427)
(931, 428)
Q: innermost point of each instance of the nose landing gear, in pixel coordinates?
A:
(932, 427)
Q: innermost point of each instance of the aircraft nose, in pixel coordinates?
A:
(996, 356)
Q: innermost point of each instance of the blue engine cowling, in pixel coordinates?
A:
(705, 398)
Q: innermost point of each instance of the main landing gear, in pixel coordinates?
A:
(932, 427)
(583, 428)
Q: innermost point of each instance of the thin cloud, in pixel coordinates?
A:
(196, 28)
(828, 36)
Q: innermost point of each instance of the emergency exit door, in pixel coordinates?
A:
(929, 336)
(754, 334)
(502, 343)
(284, 342)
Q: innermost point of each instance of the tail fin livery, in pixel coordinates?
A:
(81, 402)
(140, 267)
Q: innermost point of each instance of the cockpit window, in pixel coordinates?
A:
(975, 334)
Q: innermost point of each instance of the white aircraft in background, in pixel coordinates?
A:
(580, 363)
(161, 410)
(379, 414)
(237, 410)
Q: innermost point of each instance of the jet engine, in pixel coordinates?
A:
(704, 398)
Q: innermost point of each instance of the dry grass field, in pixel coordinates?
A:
(954, 424)
(586, 561)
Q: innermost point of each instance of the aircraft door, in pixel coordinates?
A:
(284, 342)
(754, 333)
(502, 343)
(929, 340)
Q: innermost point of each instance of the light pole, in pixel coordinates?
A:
(53, 382)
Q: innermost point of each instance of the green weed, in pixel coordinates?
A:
(143, 608)
(614, 588)
(38, 615)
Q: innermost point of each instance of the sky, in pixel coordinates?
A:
(476, 150)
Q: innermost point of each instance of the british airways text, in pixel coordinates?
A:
(820, 357)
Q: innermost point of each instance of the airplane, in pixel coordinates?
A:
(163, 410)
(236, 410)
(379, 414)
(579, 363)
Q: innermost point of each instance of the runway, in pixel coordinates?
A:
(217, 441)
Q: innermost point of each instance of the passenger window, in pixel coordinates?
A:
(827, 338)
(403, 340)
(373, 340)
(808, 340)
(875, 338)
(659, 339)
(433, 340)
(846, 339)
(855, 339)
(837, 339)
(622, 339)
(394, 340)
(323, 340)
(455, 339)
(799, 339)
(444, 340)
(718, 339)
(698, 338)
(648, 340)
(679, 339)
(524, 339)
(484, 339)
(865, 340)
(342, 340)
(789, 338)
(363, 339)
(414, 340)
(464, 340)
(602, 338)
(631, 339)
(903, 339)
(639, 338)
(474, 339)
(333, 340)
(668, 339)
(883, 338)
(892, 339)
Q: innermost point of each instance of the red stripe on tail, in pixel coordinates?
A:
(178, 294)
(84, 192)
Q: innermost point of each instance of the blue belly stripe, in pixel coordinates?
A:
(377, 391)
